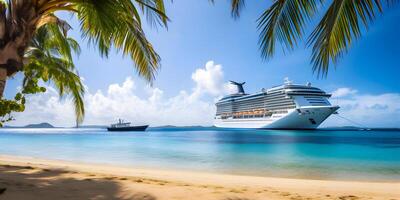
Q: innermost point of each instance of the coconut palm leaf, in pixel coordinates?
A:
(236, 7)
(284, 22)
(50, 60)
(154, 11)
(106, 24)
(115, 23)
(338, 29)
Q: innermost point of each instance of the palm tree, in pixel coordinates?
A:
(50, 60)
(104, 23)
(284, 21)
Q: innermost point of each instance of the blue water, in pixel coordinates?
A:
(349, 155)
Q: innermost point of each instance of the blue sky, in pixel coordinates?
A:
(200, 32)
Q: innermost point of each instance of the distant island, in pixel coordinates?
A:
(40, 125)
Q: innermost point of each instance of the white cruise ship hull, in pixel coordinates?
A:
(306, 117)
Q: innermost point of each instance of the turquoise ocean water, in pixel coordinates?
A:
(321, 154)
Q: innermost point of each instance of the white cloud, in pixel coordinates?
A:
(121, 101)
(342, 92)
(194, 106)
(209, 80)
(381, 110)
(46, 106)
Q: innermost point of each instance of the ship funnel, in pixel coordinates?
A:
(239, 86)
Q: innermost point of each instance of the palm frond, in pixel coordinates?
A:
(284, 22)
(236, 7)
(50, 59)
(116, 23)
(338, 29)
(74, 46)
(60, 44)
(68, 83)
(107, 24)
(50, 18)
(154, 11)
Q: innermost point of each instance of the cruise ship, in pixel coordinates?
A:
(287, 106)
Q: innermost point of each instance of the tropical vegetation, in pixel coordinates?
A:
(341, 22)
(26, 25)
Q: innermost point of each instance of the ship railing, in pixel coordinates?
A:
(258, 113)
(120, 125)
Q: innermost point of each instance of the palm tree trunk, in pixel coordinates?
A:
(3, 79)
(10, 63)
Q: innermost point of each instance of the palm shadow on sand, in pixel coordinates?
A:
(42, 184)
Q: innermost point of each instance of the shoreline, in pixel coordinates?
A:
(169, 184)
(51, 161)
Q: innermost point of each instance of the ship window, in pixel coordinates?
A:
(312, 121)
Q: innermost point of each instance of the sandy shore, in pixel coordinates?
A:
(28, 178)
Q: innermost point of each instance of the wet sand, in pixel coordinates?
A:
(28, 178)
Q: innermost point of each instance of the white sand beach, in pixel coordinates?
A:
(31, 178)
